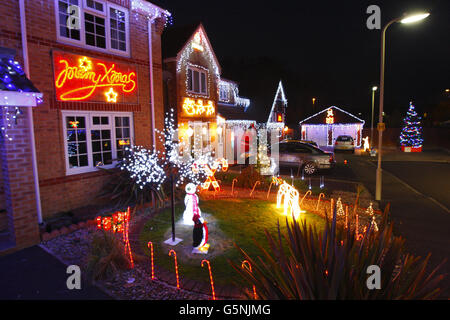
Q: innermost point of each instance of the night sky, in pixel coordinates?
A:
(323, 49)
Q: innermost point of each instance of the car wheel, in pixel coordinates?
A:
(309, 168)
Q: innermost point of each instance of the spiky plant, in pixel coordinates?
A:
(123, 191)
(107, 256)
(304, 264)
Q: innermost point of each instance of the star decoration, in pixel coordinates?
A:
(111, 95)
(85, 63)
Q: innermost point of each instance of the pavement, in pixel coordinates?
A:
(34, 274)
(416, 186)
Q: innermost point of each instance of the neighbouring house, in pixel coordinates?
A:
(98, 64)
(210, 113)
(325, 126)
(205, 104)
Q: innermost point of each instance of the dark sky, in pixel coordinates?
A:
(323, 49)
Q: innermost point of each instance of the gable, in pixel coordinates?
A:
(338, 116)
(198, 42)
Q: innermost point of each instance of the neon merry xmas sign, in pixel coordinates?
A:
(80, 78)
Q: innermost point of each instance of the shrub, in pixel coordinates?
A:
(106, 256)
(305, 264)
(123, 191)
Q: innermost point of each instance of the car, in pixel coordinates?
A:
(313, 143)
(344, 143)
(304, 155)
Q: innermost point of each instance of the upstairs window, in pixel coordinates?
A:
(196, 80)
(224, 94)
(93, 24)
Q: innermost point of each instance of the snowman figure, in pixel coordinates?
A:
(191, 203)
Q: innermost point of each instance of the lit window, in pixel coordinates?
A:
(95, 139)
(224, 94)
(196, 80)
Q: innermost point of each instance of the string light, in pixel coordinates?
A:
(290, 196)
(150, 11)
(150, 245)
(279, 92)
(339, 207)
(411, 134)
(207, 53)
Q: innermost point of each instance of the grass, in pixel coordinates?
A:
(229, 221)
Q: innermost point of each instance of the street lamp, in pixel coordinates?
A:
(374, 88)
(381, 126)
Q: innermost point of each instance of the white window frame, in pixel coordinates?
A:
(82, 42)
(86, 8)
(89, 126)
(200, 71)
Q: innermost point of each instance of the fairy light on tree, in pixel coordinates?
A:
(411, 134)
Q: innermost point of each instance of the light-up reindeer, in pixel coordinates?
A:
(290, 197)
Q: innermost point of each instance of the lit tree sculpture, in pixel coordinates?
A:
(153, 167)
(411, 134)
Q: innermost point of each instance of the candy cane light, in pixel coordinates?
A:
(176, 266)
(210, 278)
(246, 265)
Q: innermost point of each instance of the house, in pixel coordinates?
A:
(207, 106)
(98, 65)
(325, 126)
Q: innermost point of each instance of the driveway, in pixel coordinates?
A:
(34, 274)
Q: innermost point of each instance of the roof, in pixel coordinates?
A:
(175, 40)
(279, 96)
(13, 78)
(232, 112)
(340, 117)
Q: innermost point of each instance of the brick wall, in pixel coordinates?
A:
(18, 183)
(60, 192)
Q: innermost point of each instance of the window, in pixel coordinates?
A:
(224, 93)
(298, 148)
(69, 27)
(196, 80)
(118, 31)
(95, 139)
(93, 24)
(95, 30)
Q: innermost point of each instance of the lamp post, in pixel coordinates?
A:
(381, 126)
(374, 88)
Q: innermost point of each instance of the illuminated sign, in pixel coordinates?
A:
(197, 42)
(330, 116)
(81, 78)
(198, 107)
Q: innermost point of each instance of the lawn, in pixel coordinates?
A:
(229, 221)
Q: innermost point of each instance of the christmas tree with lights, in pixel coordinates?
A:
(411, 135)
